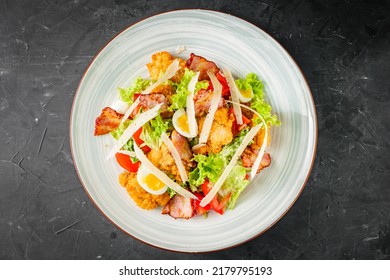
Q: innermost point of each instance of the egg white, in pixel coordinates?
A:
(175, 121)
(141, 175)
(243, 98)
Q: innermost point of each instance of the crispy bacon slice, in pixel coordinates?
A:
(183, 147)
(148, 101)
(202, 101)
(249, 156)
(108, 121)
(179, 207)
(198, 63)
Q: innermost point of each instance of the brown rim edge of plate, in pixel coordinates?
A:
(194, 252)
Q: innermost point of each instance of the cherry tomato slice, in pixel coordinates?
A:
(218, 207)
(199, 209)
(139, 141)
(126, 162)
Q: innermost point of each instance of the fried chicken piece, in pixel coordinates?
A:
(159, 64)
(220, 134)
(162, 159)
(141, 197)
(199, 63)
(108, 121)
(180, 207)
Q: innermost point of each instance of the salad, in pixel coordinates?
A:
(190, 137)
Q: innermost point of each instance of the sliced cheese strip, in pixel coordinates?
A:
(204, 134)
(133, 127)
(130, 110)
(251, 134)
(161, 175)
(234, 94)
(176, 157)
(169, 73)
(193, 126)
(257, 162)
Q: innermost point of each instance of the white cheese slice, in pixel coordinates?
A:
(204, 134)
(251, 134)
(234, 94)
(133, 127)
(176, 157)
(193, 126)
(161, 175)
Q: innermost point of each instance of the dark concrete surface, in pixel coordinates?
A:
(343, 48)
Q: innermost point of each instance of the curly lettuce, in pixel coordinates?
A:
(117, 133)
(151, 131)
(208, 167)
(234, 184)
(179, 99)
(139, 84)
(258, 102)
(211, 166)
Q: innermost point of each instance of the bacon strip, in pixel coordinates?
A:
(183, 147)
(148, 101)
(202, 101)
(249, 156)
(108, 121)
(179, 207)
(197, 63)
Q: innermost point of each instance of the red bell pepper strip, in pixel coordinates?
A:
(235, 127)
(225, 86)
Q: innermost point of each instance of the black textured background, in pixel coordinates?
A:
(343, 48)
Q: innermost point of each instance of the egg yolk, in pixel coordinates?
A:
(246, 93)
(182, 122)
(153, 182)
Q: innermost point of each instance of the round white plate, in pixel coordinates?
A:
(232, 43)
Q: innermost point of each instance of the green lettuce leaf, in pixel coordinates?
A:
(235, 183)
(151, 131)
(201, 85)
(179, 99)
(127, 94)
(171, 192)
(211, 166)
(129, 145)
(258, 102)
(228, 151)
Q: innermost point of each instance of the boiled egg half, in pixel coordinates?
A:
(150, 182)
(245, 95)
(181, 123)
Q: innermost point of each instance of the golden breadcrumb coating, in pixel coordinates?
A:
(259, 138)
(141, 197)
(162, 159)
(220, 134)
(159, 64)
